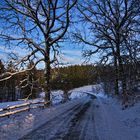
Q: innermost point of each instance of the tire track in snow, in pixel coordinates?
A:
(84, 126)
(57, 127)
(50, 127)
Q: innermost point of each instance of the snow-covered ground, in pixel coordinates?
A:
(104, 119)
(57, 96)
(96, 90)
(114, 123)
(8, 104)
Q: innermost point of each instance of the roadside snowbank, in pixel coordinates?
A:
(96, 90)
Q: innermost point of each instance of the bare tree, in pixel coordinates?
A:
(112, 24)
(38, 26)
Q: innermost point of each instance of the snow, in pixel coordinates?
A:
(6, 104)
(113, 123)
(110, 121)
(96, 90)
(17, 126)
(57, 97)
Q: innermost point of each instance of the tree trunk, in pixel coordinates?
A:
(122, 76)
(123, 79)
(120, 64)
(116, 81)
(65, 95)
(47, 76)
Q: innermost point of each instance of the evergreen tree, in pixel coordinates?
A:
(31, 84)
(1, 83)
(1, 67)
(11, 83)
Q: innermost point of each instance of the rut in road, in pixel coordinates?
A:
(50, 128)
(82, 126)
(70, 125)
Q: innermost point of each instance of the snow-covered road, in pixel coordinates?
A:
(91, 119)
(75, 123)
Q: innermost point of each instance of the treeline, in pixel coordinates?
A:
(64, 78)
(70, 77)
(107, 75)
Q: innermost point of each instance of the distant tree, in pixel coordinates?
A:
(30, 84)
(75, 76)
(1, 67)
(11, 83)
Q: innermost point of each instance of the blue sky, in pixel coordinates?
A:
(70, 53)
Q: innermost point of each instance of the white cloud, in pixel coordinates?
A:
(72, 52)
(74, 57)
(5, 51)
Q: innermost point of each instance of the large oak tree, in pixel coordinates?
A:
(38, 26)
